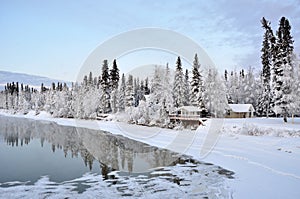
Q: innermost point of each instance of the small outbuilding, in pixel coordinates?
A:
(240, 111)
(188, 116)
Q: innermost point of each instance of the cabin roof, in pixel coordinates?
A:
(190, 108)
(241, 108)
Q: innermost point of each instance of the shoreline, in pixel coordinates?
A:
(257, 161)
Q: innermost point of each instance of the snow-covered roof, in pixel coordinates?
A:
(241, 108)
(190, 108)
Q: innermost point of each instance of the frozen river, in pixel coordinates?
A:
(43, 159)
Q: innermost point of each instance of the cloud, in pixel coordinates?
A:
(236, 24)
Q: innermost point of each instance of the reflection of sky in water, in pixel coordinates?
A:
(57, 160)
(31, 149)
(30, 162)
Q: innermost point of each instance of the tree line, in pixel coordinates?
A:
(274, 91)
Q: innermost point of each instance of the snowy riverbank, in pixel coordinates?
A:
(265, 166)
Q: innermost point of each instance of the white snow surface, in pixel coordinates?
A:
(264, 153)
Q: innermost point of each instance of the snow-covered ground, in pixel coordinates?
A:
(264, 153)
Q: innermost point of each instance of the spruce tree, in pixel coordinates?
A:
(147, 89)
(186, 88)
(197, 84)
(114, 75)
(114, 83)
(178, 91)
(90, 80)
(167, 88)
(129, 92)
(157, 87)
(105, 84)
(264, 103)
(283, 68)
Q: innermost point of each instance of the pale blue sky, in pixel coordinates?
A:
(53, 38)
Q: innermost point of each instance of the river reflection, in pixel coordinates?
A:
(44, 159)
(110, 152)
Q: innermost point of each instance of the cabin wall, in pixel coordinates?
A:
(238, 115)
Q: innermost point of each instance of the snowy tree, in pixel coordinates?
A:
(90, 79)
(249, 90)
(157, 86)
(105, 85)
(137, 91)
(129, 92)
(147, 89)
(167, 88)
(295, 105)
(233, 86)
(114, 81)
(122, 94)
(215, 94)
(197, 85)
(264, 104)
(114, 75)
(186, 89)
(283, 69)
(178, 85)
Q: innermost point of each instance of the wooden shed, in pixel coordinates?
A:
(240, 111)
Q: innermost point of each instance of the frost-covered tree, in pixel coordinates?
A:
(283, 69)
(90, 79)
(178, 85)
(114, 83)
(114, 75)
(137, 91)
(129, 92)
(264, 104)
(105, 85)
(122, 94)
(215, 94)
(233, 88)
(167, 88)
(186, 89)
(295, 105)
(147, 88)
(157, 86)
(197, 85)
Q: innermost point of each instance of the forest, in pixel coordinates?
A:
(273, 90)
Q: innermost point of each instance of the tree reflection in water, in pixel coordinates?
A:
(113, 152)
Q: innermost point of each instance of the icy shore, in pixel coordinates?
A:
(264, 153)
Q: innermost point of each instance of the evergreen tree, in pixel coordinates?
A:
(114, 100)
(114, 75)
(122, 94)
(283, 69)
(105, 75)
(114, 83)
(90, 80)
(215, 94)
(186, 88)
(147, 89)
(167, 88)
(264, 102)
(137, 91)
(157, 86)
(178, 85)
(129, 94)
(226, 75)
(197, 85)
(105, 84)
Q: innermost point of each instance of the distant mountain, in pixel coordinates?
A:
(31, 80)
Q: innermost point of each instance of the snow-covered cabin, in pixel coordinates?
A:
(187, 111)
(240, 111)
(188, 116)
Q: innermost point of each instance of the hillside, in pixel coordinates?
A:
(26, 79)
